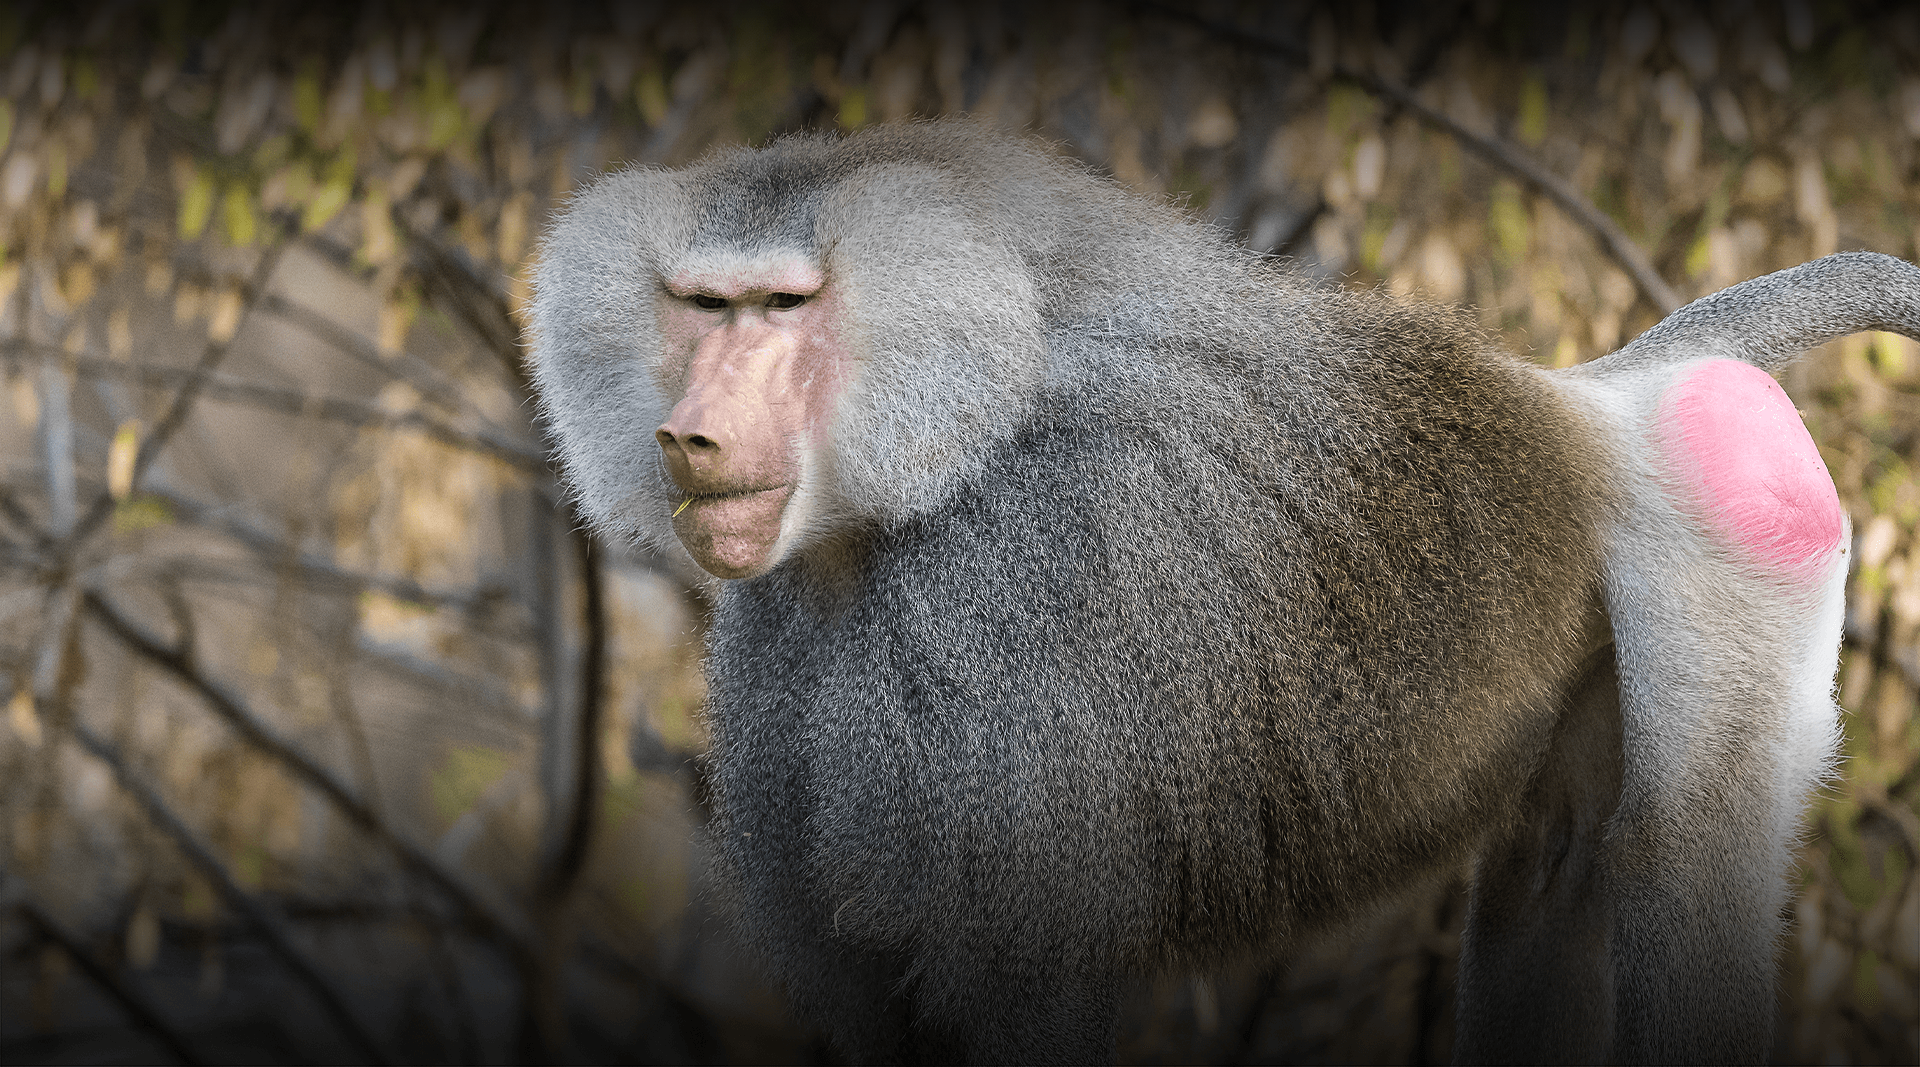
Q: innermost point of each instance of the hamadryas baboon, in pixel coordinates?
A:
(1104, 599)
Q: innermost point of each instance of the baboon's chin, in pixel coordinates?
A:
(733, 535)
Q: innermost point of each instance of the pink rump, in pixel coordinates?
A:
(1733, 429)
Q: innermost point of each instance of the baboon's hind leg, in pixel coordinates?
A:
(1536, 981)
(1727, 721)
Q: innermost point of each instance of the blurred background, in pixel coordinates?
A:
(328, 736)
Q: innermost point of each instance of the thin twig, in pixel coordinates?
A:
(1874, 798)
(1497, 150)
(479, 694)
(131, 1000)
(54, 392)
(542, 1029)
(21, 519)
(296, 402)
(481, 301)
(477, 295)
(1430, 54)
(406, 366)
(270, 925)
(1289, 240)
(178, 409)
(543, 1023)
(316, 569)
(1866, 635)
(571, 856)
(257, 732)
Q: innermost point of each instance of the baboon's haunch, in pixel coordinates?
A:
(1108, 600)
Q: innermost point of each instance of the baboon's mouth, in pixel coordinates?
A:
(731, 533)
(731, 494)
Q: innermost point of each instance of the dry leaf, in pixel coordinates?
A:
(224, 320)
(379, 243)
(1369, 166)
(121, 456)
(120, 334)
(24, 719)
(1213, 124)
(143, 938)
(16, 183)
(512, 236)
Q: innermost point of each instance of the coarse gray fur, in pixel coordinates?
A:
(1158, 607)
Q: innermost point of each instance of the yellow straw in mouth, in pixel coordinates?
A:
(682, 507)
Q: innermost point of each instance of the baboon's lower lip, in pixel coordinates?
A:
(730, 534)
(735, 494)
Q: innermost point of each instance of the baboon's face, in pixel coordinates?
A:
(815, 348)
(753, 367)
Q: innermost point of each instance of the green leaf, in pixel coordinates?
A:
(327, 202)
(469, 771)
(1883, 491)
(272, 152)
(621, 799)
(650, 95)
(1888, 354)
(86, 78)
(250, 865)
(334, 194)
(308, 105)
(1373, 240)
(1698, 257)
(1532, 127)
(580, 91)
(634, 894)
(136, 513)
(1507, 219)
(853, 109)
(196, 205)
(441, 104)
(444, 125)
(243, 225)
(1346, 108)
(56, 170)
(1866, 991)
(1847, 858)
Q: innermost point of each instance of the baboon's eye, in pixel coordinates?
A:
(781, 301)
(708, 303)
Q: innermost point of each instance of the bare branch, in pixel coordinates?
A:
(178, 409)
(542, 1028)
(478, 694)
(296, 402)
(1496, 150)
(229, 706)
(131, 1000)
(55, 394)
(479, 604)
(271, 926)
(567, 861)
(1874, 797)
(1902, 658)
(412, 369)
(477, 296)
(20, 519)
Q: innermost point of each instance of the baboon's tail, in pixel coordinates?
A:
(1769, 321)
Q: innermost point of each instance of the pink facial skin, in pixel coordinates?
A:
(1731, 429)
(756, 384)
